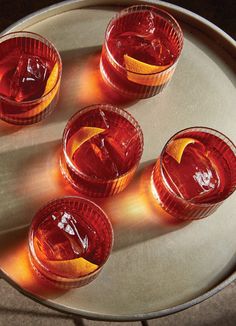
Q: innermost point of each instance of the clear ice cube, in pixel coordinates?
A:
(152, 50)
(104, 119)
(108, 155)
(195, 177)
(122, 147)
(60, 238)
(30, 77)
(103, 164)
(136, 47)
(162, 51)
(145, 25)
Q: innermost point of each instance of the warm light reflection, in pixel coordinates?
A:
(159, 214)
(92, 88)
(61, 184)
(15, 263)
(136, 205)
(135, 213)
(126, 208)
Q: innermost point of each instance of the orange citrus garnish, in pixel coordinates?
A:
(176, 147)
(141, 73)
(52, 79)
(71, 268)
(80, 137)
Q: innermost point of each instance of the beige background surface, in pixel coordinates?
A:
(196, 91)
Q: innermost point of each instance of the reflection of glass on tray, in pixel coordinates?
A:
(195, 173)
(30, 73)
(70, 239)
(140, 52)
(102, 147)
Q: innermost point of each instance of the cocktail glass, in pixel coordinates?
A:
(195, 173)
(70, 239)
(102, 147)
(30, 74)
(140, 52)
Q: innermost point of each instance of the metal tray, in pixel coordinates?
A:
(157, 267)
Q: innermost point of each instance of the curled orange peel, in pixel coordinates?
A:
(176, 147)
(72, 268)
(52, 79)
(143, 73)
(80, 137)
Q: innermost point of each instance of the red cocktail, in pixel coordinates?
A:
(140, 52)
(70, 239)
(30, 74)
(195, 173)
(102, 147)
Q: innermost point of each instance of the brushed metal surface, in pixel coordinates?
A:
(157, 267)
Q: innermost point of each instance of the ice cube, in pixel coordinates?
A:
(105, 165)
(107, 156)
(53, 243)
(30, 77)
(145, 25)
(104, 119)
(122, 147)
(93, 158)
(135, 46)
(129, 43)
(162, 52)
(59, 237)
(195, 177)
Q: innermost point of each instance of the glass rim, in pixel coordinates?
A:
(208, 130)
(106, 107)
(156, 8)
(39, 37)
(59, 278)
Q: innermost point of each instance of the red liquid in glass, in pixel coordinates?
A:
(63, 232)
(25, 66)
(143, 35)
(65, 235)
(111, 153)
(146, 41)
(106, 156)
(204, 175)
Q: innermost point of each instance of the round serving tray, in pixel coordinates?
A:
(158, 266)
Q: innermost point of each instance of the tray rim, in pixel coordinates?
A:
(123, 318)
(227, 43)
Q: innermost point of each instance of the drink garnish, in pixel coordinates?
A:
(141, 72)
(176, 148)
(52, 79)
(77, 267)
(80, 137)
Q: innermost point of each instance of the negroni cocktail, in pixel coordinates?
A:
(70, 239)
(140, 52)
(102, 147)
(30, 74)
(195, 173)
